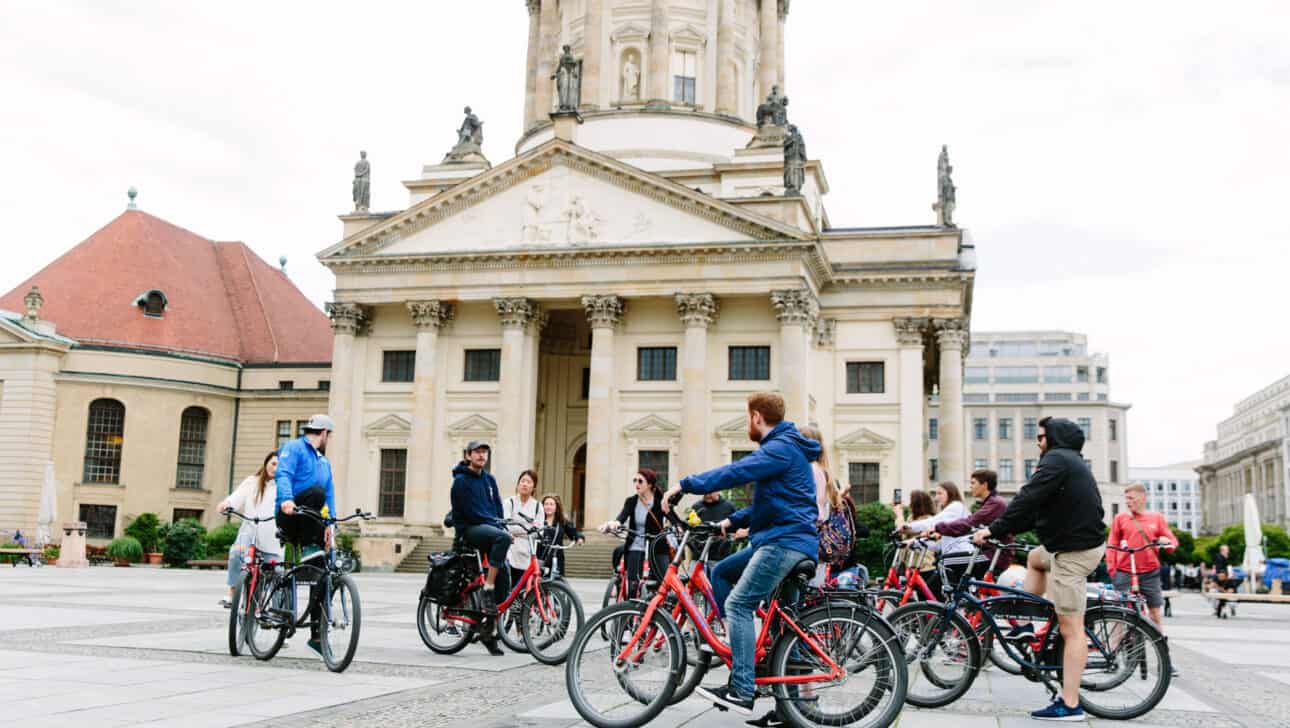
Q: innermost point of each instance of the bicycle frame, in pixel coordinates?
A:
(912, 580)
(530, 580)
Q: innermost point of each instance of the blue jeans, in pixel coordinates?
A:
(765, 568)
(725, 574)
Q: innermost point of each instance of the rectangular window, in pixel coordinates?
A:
(394, 479)
(1101, 396)
(1005, 470)
(1112, 430)
(300, 427)
(286, 385)
(1115, 509)
(1115, 471)
(483, 365)
(398, 366)
(933, 429)
(976, 375)
(192, 448)
(1081, 374)
(324, 385)
(104, 438)
(980, 464)
(1005, 428)
(1017, 397)
(979, 428)
(865, 377)
(100, 521)
(1030, 428)
(586, 383)
(1059, 375)
(749, 363)
(685, 71)
(283, 434)
(976, 397)
(1057, 396)
(1083, 397)
(740, 495)
(655, 460)
(1030, 468)
(933, 469)
(1101, 375)
(1016, 375)
(180, 514)
(656, 364)
(863, 478)
(1173, 487)
(1086, 425)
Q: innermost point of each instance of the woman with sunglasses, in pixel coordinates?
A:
(643, 516)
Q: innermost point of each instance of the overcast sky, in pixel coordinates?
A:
(1121, 166)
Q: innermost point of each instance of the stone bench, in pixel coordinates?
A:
(21, 554)
(208, 563)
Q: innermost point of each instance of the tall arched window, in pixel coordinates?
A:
(192, 447)
(103, 439)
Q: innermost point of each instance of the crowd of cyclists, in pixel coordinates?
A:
(799, 525)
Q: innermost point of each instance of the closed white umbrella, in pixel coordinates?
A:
(1253, 541)
(48, 507)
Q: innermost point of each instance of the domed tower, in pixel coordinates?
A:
(665, 84)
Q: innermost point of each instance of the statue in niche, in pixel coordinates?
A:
(583, 223)
(533, 232)
(794, 162)
(631, 80)
(568, 81)
(362, 188)
(470, 139)
(945, 190)
(774, 110)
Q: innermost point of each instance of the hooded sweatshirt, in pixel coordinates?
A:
(783, 510)
(1060, 501)
(475, 499)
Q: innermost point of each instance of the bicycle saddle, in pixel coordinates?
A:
(805, 569)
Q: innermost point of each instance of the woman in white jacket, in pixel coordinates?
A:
(256, 497)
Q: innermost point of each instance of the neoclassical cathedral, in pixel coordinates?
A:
(605, 300)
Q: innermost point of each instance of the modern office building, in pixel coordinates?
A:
(1249, 456)
(1173, 490)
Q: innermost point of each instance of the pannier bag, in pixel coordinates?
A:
(448, 576)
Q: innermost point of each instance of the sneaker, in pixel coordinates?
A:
(1059, 710)
(770, 720)
(725, 698)
(309, 553)
(493, 649)
(315, 645)
(1020, 632)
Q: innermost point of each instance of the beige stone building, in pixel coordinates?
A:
(606, 299)
(1250, 456)
(154, 368)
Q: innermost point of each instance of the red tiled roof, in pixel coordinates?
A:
(222, 299)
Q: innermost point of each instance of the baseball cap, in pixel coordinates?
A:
(320, 422)
(474, 445)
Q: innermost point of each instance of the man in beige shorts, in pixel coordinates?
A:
(1062, 504)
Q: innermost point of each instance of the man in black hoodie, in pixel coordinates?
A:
(1062, 504)
(477, 514)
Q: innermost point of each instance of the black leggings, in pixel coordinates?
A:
(636, 566)
(298, 528)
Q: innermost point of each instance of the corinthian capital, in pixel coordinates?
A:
(795, 306)
(952, 333)
(603, 312)
(347, 318)
(517, 313)
(909, 330)
(697, 310)
(431, 314)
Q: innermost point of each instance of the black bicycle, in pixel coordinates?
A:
(333, 607)
(943, 651)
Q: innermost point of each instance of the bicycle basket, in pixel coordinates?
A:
(448, 576)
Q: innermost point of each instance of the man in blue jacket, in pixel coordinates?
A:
(781, 528)
(477, 515)
(304, 479)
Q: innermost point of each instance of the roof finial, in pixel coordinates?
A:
(282, 263)
(132, 193)
(34, 301)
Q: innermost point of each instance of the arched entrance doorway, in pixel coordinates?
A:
(579, 485)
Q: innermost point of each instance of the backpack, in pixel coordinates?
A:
(837, 535)
(448, 576)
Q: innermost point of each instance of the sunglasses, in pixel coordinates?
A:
(638, 480)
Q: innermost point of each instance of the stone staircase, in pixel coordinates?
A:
(415, 562)
(592, 560)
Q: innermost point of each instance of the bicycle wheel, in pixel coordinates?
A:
(609, 692)
(440, 633)
(339, 623)
(1128, 666)
(872, 692)
(238, 615)
(610, 597)
(941, 666)
(887, 601)
(549, 632)
(510, 626)
(697, 662)
(266, 630)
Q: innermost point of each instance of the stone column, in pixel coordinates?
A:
(592, 53)
(423, 503)
(548, 55)
(797, 311)
(951, 335)
(698, 311)
(347, 319)
(604, 314)
(660, 61)
(913, 467)
(727, 89)
(779, 45)
(516, 411)
(768, 74)
(531, 67)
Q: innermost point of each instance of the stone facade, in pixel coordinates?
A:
(1250, 456)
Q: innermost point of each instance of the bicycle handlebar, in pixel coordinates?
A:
(244, 517)
(328, 520)
(1124, 550)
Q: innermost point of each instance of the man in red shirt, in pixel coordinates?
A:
(1134, 528)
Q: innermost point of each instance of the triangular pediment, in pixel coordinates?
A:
(651, 425)
(864, 439)
(472, 425)
(560, 197)
(736, 426)
(387, 426)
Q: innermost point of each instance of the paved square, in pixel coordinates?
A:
(146, 646)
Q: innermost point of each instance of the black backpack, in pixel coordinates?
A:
(448, 576)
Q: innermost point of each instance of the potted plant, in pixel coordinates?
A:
(51, 554)
(146, 528)
(125, 551)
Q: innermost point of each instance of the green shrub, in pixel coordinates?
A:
(1204, 549)
(1275, 543)
(145, 528)
(872, 550)
(52, 551)
(127, 549)
(1028, 537)
(1186, 551)
(183, 541)
(219, 540)
(345, 541)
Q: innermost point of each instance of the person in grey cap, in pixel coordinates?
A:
(477, 514)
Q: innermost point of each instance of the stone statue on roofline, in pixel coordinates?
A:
(470, 140)
(362, 188)
(945, 190)
(774, 110)
(794, 162)
(568, 81)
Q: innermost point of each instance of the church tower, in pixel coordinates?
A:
(666, 84)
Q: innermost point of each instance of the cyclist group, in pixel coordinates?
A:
(797, 515)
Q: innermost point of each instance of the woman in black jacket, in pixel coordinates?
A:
(555, 529)
(643, 516)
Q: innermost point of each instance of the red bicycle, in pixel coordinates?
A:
(546, 610)
(904, 581)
